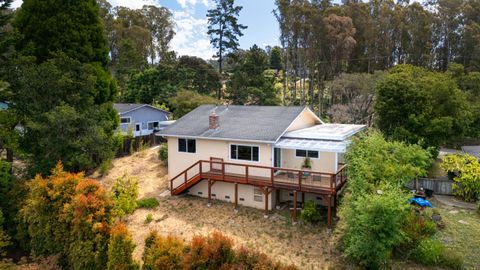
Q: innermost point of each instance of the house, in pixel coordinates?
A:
(141, 119)
(253, 156)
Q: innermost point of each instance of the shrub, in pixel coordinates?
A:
(247, 259)
(69, 215)
(310, 212)
(467, 170)
(148, 218)
(373, 227)
(163, 153)
(124, 194)
(429, 252)
(148, 203)
(416, 227)
(4, 238)
(120, 249)
(105, 167)
(162, 252)
(211, 252)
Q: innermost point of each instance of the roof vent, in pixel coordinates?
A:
(213, 120)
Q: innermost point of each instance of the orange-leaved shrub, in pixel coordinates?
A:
(70, 216)
(211, 252)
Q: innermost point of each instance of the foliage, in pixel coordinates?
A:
(162, 252)
(120, 249)
(354, 97)
(276, 58)
(124, 194)
(431, 251)
(163, 153)
(373, 162)
(420, 106)
(105, 167)
(223, 28)
(185, 101)
(148, 203)
(310, 212)
(307, 163)
(374, 226)
(467, 171)
(4, 238)
(249, 83)
(68, 215)
(416, 228)
(212, 252)
(74, 28)
(159, 84)
(148, 218)
(73, 123)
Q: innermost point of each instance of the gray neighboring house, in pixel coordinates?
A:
(143, 119)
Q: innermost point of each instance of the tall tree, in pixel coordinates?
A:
(62, 89)
(224, 29)
(249, 83)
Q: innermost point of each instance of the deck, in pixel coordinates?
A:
(261, 176)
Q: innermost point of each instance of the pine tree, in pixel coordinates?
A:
(224, 29)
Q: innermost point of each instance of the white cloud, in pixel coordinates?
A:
(191, 37)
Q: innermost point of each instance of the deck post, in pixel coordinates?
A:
(266, 202)
(236, 196)
(209, 193)
(294, 213)
(329, 211)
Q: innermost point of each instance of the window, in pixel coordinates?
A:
(137, 127)
(257, 195)
(306, 153)
(152, 125)
(124, 120)
(244, 152)
(187, 145)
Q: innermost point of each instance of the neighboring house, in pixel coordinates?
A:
(253, 155)
(141, 119)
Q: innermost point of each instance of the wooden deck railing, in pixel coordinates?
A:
(301, 180)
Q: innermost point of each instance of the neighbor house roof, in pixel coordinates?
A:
(242, 123)
(473, 150)
(122, 108)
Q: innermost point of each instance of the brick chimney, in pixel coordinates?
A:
(213, 120)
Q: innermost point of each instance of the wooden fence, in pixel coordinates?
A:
(439, 186)
(133, 144)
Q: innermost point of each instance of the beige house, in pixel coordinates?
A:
(258, 156)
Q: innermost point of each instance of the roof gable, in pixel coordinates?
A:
(123, 108)
(247, 123)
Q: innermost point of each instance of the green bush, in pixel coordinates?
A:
(148, 203)
(466, 169)
(416, 227)
(124, 194)
(4, 238)
(310, 212)
(105, 167)
(163, 153)
(429, 251)
(162, 252)
(148, 218)
(120, 249)
(374, 227)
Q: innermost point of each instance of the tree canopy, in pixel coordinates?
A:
(421, 106)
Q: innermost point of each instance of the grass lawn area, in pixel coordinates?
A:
(461, 233)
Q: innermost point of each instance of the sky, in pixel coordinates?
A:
(191, 23)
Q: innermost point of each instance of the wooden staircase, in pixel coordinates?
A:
(187, 182)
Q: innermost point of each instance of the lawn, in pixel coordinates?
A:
(462, 233)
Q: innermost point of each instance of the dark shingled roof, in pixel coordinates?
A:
(126, 107)
(256, 123)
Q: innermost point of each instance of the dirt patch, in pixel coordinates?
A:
(146, 166)
(185, 216)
